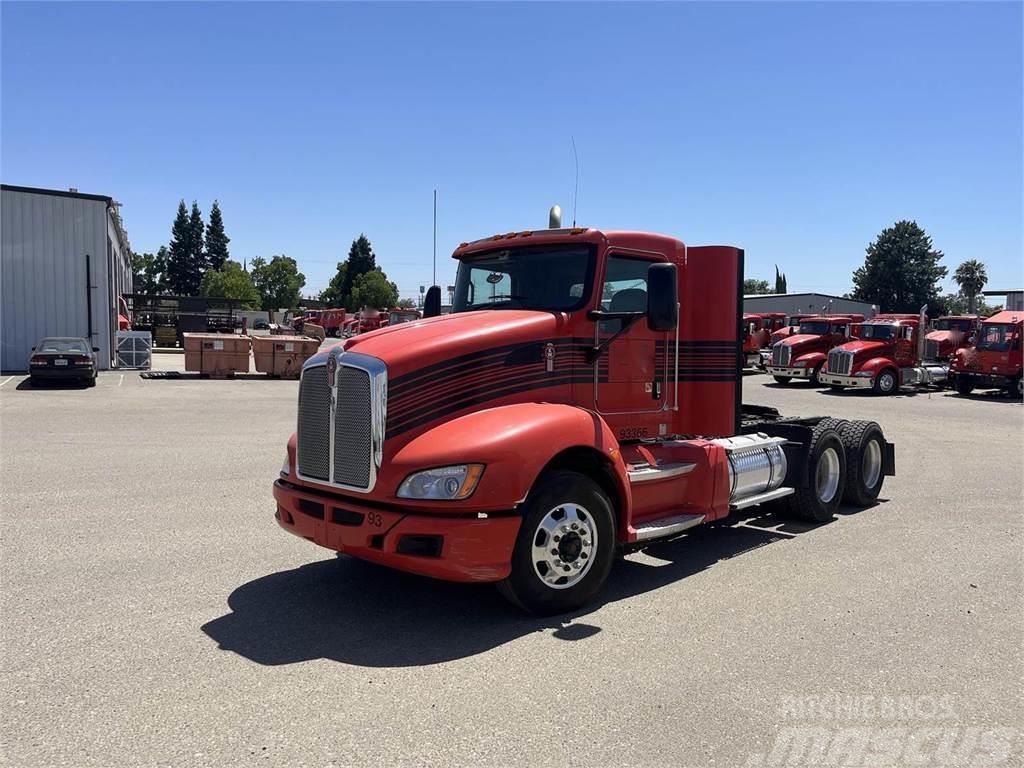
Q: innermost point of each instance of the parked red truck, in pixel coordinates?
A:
(757, 331)
(994, 362)
(792, 323)
(887, 353)
(583, 398)
(949, 333)
(803, 354)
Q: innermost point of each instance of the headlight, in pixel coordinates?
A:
(286, 468)
(863, 374)
(800, 364)
(447, 483)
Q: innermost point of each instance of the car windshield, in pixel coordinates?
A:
(946, 324)
(546, 277)
(77, 346)
(819, 328)
(995, 336)
(877, 331)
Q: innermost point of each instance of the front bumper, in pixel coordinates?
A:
(857, 382)
(981, 380)
(793, 373)
(752, 359)
(468, 548)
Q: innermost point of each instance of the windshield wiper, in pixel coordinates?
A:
(501, 297)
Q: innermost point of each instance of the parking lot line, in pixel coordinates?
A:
(121, 380)
(9, 378)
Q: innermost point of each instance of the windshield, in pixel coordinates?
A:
(546, 277)
(815, 329)
(794, 320)
(63, 345)
(880, 332)
(995, 336)
(946, 324)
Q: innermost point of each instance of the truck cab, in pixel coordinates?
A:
(802, 355)
(888, 352)
(950, 332)
(994, 361)
(789, 327)
(583, 398)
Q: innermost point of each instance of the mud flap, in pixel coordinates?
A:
(888, 459)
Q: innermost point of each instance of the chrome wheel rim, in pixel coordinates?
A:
(564, 545)
(827, 475)
(886, 382)
(871, 463)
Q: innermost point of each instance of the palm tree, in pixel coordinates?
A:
(971, 277)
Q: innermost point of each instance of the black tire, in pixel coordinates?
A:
(865, 449)
(964, 385)
(1016, 388)
(782, 379)
(525, 586)
(812, 503)
(887, 382)
(91, 382)
(815, 380)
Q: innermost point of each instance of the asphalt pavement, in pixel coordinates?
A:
(154, 614)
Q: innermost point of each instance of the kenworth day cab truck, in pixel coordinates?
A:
(802, 355)
(949, 333)
(582, 399)
(994, 362)
(887, 353)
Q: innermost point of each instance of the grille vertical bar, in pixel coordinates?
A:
(352, 428)
(781, 354)
(314, 440)
(840, 362)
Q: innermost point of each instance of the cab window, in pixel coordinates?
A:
(624, 289)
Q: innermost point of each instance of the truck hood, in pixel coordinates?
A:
(415, 345)
(802, 343)
(863, 348)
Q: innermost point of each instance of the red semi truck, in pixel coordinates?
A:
(888, 353)
(757, 332)
(802, 355)
(790, 327)
(949, 333)
(994, 362)
(583, 398)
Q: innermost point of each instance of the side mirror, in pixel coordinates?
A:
(95, 349)
(662, 297)
(432, 302)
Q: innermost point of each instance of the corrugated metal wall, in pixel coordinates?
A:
(804, 302)
(43, 243)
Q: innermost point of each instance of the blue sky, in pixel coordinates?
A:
(797, 131)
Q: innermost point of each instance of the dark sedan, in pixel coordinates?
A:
(63, 359)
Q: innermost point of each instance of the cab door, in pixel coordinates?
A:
(906, 342)
(631, 372)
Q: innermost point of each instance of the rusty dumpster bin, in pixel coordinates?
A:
(282, 355)
(216, 354)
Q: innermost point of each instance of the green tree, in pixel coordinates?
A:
(405, 303)
(780, 281)
(361, 260)
(183, 273)
(231, 282)
(373, 289)
(216, 239)
(278, 281)
(971, 276)
(331, 295)
(752, 287)
(150, 271)
(195, 241)
(901, 270)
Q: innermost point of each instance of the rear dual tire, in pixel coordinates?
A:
(865, 451)
(826, 475)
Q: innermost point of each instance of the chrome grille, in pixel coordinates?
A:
(314, 442)
(352, 427)
(931, 349)
(781, 354)
(840, 362)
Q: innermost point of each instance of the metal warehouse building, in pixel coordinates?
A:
(792, 303)
(64, 261)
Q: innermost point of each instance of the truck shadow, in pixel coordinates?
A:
(986, 396)
(903, 392)
(354, 612)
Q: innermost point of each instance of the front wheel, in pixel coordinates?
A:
(565, 547)
(1016, 388)
(887, 382)
(815, 376)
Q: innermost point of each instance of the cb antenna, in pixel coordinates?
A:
(576, 188)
